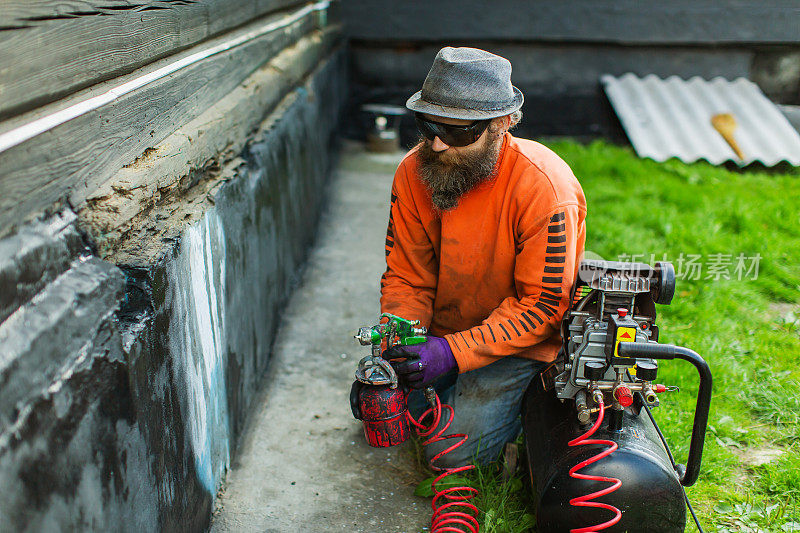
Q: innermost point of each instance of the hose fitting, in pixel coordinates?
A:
(597, 395)
(649, 394)
(584, 413)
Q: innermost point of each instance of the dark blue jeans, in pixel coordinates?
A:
(487, 403)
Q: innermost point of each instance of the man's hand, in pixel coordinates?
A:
(419, 365)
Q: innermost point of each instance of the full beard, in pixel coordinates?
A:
(450, 176)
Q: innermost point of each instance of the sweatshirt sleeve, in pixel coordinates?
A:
(544, 273)
(408, 286)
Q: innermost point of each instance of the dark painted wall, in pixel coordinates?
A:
(123, 390)
(559, 49)
(595, 21)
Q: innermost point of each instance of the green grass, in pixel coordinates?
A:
(747, 329)
(504, 505)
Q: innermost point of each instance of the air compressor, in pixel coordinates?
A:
(597, 459)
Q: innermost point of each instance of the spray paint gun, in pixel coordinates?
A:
(395, 330)
(375, 397)
(382, 406)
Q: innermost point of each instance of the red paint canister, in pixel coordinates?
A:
(382, 409)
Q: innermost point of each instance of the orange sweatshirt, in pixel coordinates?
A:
(492, 275)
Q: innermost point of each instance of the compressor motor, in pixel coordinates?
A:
(609, 364)
(615, 304)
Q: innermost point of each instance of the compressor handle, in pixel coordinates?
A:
(669, 351)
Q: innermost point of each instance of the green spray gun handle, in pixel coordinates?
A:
(406, 332)
(408, 341)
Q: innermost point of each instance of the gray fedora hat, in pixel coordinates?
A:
(467, 83)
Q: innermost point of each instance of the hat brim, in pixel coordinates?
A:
(416, 103)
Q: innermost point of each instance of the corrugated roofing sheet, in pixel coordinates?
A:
(672, 118)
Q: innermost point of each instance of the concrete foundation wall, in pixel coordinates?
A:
(123, 387)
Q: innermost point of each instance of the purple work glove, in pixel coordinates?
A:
(419, 365)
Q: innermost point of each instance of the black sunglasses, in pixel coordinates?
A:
(449, 134)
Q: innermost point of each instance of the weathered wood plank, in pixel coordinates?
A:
(79, 155)
(194, 157)
(36, 12)
(51, 49)
(620, 21)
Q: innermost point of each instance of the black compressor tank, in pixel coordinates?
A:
(650, 497)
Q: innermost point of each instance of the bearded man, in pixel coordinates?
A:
(485, 236)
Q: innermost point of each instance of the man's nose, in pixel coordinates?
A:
(438, 145)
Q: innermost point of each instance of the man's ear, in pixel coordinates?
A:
(499, 126)
(503, 124)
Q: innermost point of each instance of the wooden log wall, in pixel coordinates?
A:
(164, 71)
(49, 49)
(173, 155)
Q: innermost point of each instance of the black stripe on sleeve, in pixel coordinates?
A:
(556, 250)
(534, 315)
(556, 290)
(528, 320)
(558, 217)
(550, 295)
(545, 309)
(508, 335)
(473, 337)
(494, 339)
(555, 280)
(557, 238)
(456, 343)
(482, 336)
(464, 339)
(553, 270)
(556, 228)
(515, 327)
(555, 258)
(524, 325)
(549, 301)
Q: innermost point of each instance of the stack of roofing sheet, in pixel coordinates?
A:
(699, 119)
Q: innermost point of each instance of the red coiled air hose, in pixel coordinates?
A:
(452, 511)
(585, 501)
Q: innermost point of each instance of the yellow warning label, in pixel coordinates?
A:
(624, 335)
